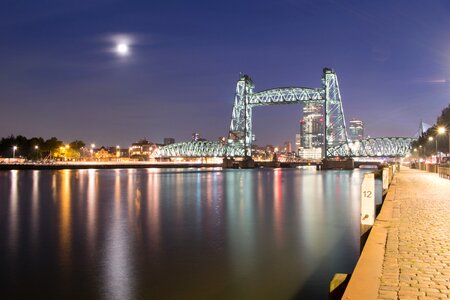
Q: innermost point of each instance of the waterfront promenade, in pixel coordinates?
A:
(407, 255)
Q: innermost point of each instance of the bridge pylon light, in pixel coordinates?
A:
(240, 133)
(335, 128)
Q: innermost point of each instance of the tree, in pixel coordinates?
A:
(51, 145)
(77, 145)
(444, 118)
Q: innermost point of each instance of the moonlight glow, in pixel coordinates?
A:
(122, 49)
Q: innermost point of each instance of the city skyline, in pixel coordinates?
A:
(62, 76)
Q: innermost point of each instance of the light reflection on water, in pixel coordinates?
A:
(210, 234)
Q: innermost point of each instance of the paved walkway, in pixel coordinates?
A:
(407, 255)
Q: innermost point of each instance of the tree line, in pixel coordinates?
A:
(426, 143)
(37, 148)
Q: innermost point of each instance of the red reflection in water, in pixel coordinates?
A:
(153, 198)
(278, 206)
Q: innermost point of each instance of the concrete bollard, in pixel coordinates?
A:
(368, 208)
(368, 199)
(385, 180)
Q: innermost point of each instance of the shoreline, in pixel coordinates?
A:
(74, 166)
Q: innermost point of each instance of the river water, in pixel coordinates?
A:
(176, 233)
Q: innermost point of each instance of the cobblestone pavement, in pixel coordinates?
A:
(417, 257)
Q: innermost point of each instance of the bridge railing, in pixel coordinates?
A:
(444, 171)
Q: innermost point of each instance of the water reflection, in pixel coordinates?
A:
(13, 214)
(278, 207)
(153, 211)
(34, 225)
(161, 234)
(91, 210)
(65, 233)
(118, 278)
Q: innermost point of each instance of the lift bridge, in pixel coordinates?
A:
(336, 144)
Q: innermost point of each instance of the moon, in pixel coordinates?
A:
(122, 49)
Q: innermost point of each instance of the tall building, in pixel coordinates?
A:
(312, 128)
(169, 141)
(195, 136)
(356, 130)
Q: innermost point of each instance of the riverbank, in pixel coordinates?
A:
(407, 254)
(104, 165)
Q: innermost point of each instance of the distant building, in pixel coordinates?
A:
(169, 141)
(196, 137)
(142, 149)
(103, 154)
(118, 152)
(287, 147)
(312, 128)
(297, 143)
(356, 130)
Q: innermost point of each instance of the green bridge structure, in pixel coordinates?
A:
(337, 144)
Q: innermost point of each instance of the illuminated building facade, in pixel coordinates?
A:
(142, 150)
(312, 128)
(356, 130)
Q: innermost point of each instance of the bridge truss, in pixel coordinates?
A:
(241, 135)
(199, 149)
(373, 147)
(328, 96)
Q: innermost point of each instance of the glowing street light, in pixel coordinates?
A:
(442, 130)
(36, 148)
(14, 151)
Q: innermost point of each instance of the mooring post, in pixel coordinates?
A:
(368, 208)
(385, 180)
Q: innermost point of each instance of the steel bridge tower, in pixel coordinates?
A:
(241, 135)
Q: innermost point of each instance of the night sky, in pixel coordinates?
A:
(60, 75)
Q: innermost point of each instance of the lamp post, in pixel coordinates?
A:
(430, 139)
(92, 151)
(14, 151)
(442, 130)
(36, 148)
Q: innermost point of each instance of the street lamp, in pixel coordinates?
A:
(92, 150)
(430, 139)
(117, 151)
(14, 151)
(442, 130)
(36, 148)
